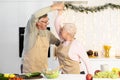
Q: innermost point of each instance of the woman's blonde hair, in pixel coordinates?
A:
(70, 28)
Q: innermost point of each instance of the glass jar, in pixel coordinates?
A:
(107, 51)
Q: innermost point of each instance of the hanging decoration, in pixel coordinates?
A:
(91, 9)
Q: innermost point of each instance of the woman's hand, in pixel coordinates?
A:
(60, 12)
(58, 6)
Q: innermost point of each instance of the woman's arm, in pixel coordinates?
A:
(78, 53)
(57, 23)
(83, 56)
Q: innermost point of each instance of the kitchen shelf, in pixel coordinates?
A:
(102, 59)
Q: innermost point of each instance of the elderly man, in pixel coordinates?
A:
(37, 40)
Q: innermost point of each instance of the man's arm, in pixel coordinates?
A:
(56, 6)
(41, 12)
(53, 39)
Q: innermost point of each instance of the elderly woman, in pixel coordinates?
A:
(70, 52)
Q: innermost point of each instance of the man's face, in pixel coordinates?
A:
(42, 23)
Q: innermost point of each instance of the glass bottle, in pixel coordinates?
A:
(107, 51)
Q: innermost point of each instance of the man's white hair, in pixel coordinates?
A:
(70, 28)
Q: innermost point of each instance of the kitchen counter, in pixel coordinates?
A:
(73, 77)
(65, 77)
(105, 79)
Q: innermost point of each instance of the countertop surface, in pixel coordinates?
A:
(65, 77)
(73, 77)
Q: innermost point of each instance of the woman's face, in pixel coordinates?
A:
(63, 33)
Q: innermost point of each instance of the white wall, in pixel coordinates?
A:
(14, 14)
(97, 29)
(9, 60)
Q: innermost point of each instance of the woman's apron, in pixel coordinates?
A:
(70, 66)
(36, 59)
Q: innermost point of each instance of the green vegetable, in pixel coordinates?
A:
(4, 78)
(34, 74)
(1, 75)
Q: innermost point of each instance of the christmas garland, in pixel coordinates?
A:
(91, 9)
